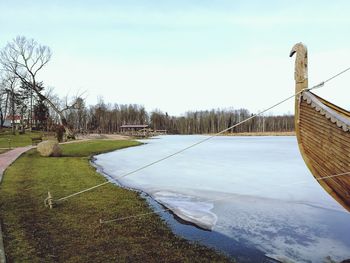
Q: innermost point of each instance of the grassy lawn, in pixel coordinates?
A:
(17, 140)
(71, 232)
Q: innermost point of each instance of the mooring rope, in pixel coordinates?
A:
(231, 196)
(184, 149)
(334, 76)
(321, 84)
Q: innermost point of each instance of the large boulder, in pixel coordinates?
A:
(49, 148)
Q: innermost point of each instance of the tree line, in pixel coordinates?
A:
(26, 103)
(108, 118)
(216, 120)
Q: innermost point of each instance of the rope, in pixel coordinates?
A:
(206, 139)
(80, 192)
(184, 149)
(336, 75)
(321, 84)
(212, 200)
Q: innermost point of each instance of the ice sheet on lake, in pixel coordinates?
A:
(285, 230)
(256, 189)
(189, 208)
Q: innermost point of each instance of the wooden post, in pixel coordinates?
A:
(49, 200)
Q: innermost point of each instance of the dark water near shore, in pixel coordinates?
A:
(221, 243)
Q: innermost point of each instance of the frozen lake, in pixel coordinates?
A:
(254, 192)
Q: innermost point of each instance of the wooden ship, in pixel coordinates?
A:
(323, 133)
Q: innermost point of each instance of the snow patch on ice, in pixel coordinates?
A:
(188, 208)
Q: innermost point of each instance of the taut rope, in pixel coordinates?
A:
(321, 84)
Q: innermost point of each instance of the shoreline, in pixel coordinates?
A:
(168, 215)
(182, 228)
(146, 196)
(188, 230)
(164, 212)
(110, 202)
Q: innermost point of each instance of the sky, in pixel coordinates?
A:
(185, 55)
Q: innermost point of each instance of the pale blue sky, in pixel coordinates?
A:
(184, 55)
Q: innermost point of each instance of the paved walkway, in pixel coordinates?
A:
(7, 158)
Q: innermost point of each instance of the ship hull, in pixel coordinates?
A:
(323, 135)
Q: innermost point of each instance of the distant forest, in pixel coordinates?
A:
(108, 118)
(26, 103)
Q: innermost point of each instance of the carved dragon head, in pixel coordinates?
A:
(301, 63)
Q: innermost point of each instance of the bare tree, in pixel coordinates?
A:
(9, 85)
(4, 99)
(25, 58)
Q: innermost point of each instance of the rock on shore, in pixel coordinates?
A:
(49, 148)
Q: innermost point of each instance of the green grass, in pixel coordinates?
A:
(87, 148)
(7, 139)
(71, 232)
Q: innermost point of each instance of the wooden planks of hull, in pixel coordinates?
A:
(326, 150)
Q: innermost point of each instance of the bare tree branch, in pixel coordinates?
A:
(24, 58)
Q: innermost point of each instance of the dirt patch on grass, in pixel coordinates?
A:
(95, 136)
